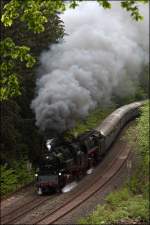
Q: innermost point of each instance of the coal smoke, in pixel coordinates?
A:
(103, 49)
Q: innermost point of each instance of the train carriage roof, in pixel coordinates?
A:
(112, 120)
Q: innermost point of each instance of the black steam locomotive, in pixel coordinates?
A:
(66, 161)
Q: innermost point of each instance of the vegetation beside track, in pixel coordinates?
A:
(14, 177)
(129, 204)
(17, 175)
(20, 137)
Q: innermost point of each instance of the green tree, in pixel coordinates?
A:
(34, 15)
(20, 137)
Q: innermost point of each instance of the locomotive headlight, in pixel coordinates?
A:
(36, 175)
(59, 174)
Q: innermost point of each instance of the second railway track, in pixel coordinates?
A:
(74, 201)
(18, 212)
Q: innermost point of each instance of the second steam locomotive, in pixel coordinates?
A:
(66, 161)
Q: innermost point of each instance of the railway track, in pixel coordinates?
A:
(17, 191)
(71, 203)
(78, 199)
(20, 211)
(58, 211)
(81, 197)
(25, 200)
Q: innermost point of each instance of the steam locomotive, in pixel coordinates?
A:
(64, 161)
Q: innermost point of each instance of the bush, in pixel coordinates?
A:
(15, 176)
(8, 180)
(115, 198)
(23, 175)
(143, 130)
(138, 208)
(120, 205)
(139, 182)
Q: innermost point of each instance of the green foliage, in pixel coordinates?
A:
(90, 122)
(115, 198)
(143, 129)
(73, 4)
(131, 202)
(8, 180)
(131, 6)
(11, 55)
(15, 176)
(121, 205)
(9, 87)
(104, 3)
(138, 208)
(138, 185)
(23, 175)
(35, 14)
(19, 136)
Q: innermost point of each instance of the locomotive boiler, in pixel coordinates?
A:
(66, 161)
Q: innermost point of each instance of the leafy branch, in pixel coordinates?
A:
(11, 55)
(131, 6)
(35, 14)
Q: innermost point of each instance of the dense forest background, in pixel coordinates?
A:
(20, 138)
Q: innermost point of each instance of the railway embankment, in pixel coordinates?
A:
(130, 204)
(18, 176)
(107, 176)
(65, 207)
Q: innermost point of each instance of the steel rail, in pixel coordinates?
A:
(81, 197)
(24, 209)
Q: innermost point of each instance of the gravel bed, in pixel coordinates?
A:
(98, 198)
(116, 183)
(85, 182)
(17, 198)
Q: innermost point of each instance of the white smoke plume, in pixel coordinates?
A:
(103, 49)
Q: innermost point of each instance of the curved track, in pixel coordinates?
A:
(78, 199)
(58, 211)
(20, 211)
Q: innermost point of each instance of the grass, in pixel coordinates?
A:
(120, 205)
(130, 203)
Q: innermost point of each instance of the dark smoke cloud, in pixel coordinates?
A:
(102, 49)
